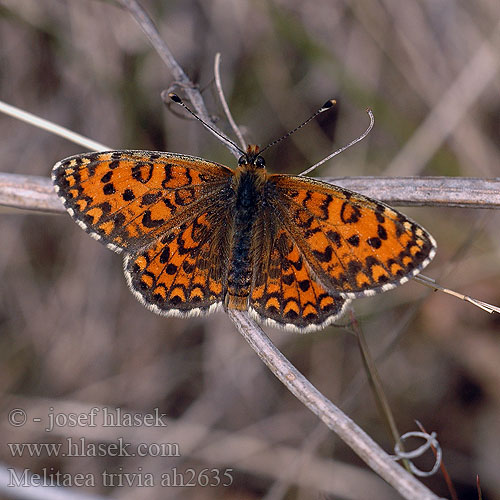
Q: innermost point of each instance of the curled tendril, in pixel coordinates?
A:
(431, 441)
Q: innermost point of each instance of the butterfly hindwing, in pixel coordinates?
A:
(355, 246)
(182, 273)
(126, 199)
(284, 292)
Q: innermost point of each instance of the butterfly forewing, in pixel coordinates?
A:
(127, 199)
(354, 245)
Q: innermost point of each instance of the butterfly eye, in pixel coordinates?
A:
(242, 160)
(259, 162)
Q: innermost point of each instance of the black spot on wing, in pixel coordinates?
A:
(143, 172)
(374, 242)
(325, 255)
(349, 213)
(353, 240)
(108, 189)
(381, 232)
(334, 237)
(148, 222)
(107, 177)
(128, 195)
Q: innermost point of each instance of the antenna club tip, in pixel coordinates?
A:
(175, 98)
(328, 104)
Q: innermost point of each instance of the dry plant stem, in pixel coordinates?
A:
(181, 79)
(429, 282)
(478, 485)
(343, 148)
(463, 192)
(333, 417)
(222, 99)
(444, 471)
(31, 192)
(376, 384)
(51, 127)
(147, 25)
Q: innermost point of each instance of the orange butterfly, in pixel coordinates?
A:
(198, 236)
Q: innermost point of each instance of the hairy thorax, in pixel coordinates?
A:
(250, 193)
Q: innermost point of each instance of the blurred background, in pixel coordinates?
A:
(72, 335)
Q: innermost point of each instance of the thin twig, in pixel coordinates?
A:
(444, 470)
(376, 383)
(29, 192)
(429, 282)
(343, 148)
(147, 25)
(222, 99)
(51, 127)
(191, 90)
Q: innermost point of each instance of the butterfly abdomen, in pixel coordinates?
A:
(249, 188)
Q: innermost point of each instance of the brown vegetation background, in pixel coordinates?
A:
(73, 337)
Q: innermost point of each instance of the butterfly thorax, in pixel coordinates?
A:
(249, 187)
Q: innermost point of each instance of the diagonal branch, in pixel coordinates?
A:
(190, 89)
(406, 484)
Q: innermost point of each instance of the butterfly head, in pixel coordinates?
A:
(252, 158)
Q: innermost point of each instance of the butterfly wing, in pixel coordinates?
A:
(182, 273)
(127, 199)
(166, 212)
(354, 245)
(284, 292)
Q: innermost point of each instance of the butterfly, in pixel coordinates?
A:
(198, 236)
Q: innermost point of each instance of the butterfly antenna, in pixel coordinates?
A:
(347, 146)
(221, 136)
(328, 105)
